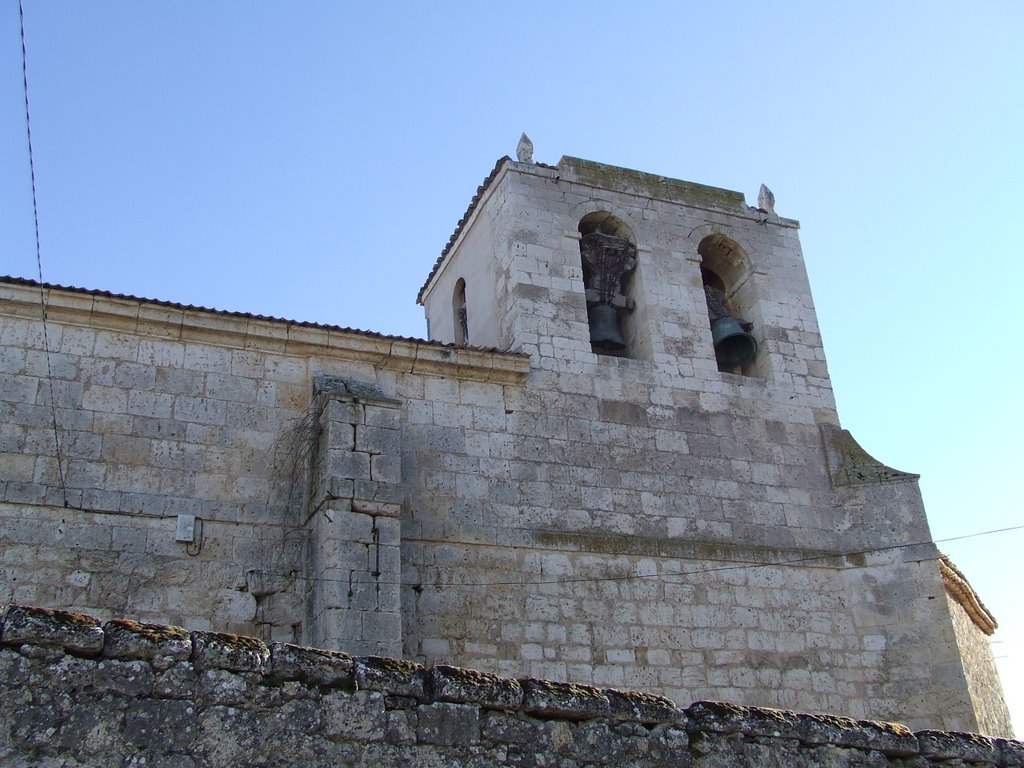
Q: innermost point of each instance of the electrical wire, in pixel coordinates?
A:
(39, 254)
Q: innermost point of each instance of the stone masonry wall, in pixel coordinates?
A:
(982, 675)
(616, 523)
(76, 693)
(630, 512)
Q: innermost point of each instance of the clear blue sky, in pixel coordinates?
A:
(309, 160)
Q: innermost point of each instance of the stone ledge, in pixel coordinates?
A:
(467, 686)
(891, 739)
(968, 747)
(167, 321)
(564, 700)
(221, 650)
(311, 665)
(128, 647)
(76, 633)
(126, 639)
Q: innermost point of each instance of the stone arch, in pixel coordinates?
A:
(608, 258)
(725, 271)
(607, 223)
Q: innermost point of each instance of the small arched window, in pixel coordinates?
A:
(459, 313)
(608, 256)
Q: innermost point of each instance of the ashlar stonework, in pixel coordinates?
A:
(536, 506)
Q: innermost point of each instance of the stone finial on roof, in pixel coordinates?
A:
(765, 199)
(524, 149)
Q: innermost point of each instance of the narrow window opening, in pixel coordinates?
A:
(460, 315)
(723, 265)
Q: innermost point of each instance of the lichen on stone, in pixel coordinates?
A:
(74, 632)
(222, 650)
(128, 639)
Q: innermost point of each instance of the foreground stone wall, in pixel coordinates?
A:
(77, 693)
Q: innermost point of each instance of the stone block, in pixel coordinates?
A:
(199, 410)
(342, 412)
(199, 357)
(631, 706)
(75, 632)
(219, 650)
(968, 747)
(220, 686)
(355, 716)
(128, 678)
(311, 665)
(161, 353)
(105, 399)
(376, 440)
(384, 628)
(563, 700)
(384, 417)
(467, 686)
(347, 464)
(340, 436)
(386, 469)
(230, 387)
(391, 676)
(448, 724)
(126, 639)
(369, 490)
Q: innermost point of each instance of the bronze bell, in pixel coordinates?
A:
(733, 345)
(604, 328)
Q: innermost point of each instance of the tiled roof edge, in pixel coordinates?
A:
(462, 222)
(26, 282)
(960, 589)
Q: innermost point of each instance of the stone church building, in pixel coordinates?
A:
(616, 461)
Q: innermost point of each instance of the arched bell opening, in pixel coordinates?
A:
(724, 272)
(459, 313)
(608, 257)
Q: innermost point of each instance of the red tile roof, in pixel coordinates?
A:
(10, 280)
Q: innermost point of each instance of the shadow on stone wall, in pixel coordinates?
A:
(75, 692)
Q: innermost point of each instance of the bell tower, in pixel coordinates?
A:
(678, 422)
(582, 262)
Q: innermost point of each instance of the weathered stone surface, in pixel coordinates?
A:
(74, 632)
(168, 723)
(178, 682)
(391, 676)
(355, 716)
(221, 650)
(468, 686)
(58, 709)
(448, 723)
(639, 707)
(1010, 752)
(311, 665)
(130, 678)
(969, 747)
(223, 687)
(573, 702)
(126, 639)
(719, 717)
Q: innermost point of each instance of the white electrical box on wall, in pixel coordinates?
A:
(186, 528)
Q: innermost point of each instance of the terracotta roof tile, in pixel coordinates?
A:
(10, 280)
(462, 223)
(961, 591)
